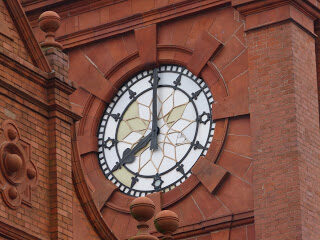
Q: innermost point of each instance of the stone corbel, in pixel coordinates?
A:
(18, 174)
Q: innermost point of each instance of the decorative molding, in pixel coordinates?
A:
(130, 23)
(14, 233)
(18, 173)
(63, 6)
(264, 13)
(211, 225)
(83, 191)
(37, 102)
(23, 68)
(27, 35)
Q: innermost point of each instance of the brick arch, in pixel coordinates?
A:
(98, 196)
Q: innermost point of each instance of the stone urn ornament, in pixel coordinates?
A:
(166, 222)
(49, 23)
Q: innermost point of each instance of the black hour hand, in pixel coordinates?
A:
(129, 154)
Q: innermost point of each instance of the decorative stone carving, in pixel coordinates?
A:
(49, 22)
(17, 172)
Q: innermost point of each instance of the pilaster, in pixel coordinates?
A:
(284, 118)
(60, 123)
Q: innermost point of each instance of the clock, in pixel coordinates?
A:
(155, 129)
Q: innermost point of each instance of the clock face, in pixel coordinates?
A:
(155, 129)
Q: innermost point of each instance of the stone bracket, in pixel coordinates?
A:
(209, 174)
(231, 106)
(205, 47)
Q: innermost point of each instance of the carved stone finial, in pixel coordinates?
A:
(142, 209)
(166, 222)
(49, 23)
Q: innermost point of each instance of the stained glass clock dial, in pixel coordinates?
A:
(155, 129)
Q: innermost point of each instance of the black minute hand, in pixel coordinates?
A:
(129, 154)
(154, 130)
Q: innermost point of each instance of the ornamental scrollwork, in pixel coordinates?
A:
(18, 173)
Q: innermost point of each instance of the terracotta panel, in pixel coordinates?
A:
(237, 103)
(139, 6)
(104, 14)
(89, 19)
(189, 211)
(250, 232)
(201, 24)
(90, 162)
(210, 175)
(87, 144)
(205, 48)
(206, 201)
(204, 237)
(78, 99)
(121, 220)
(119, 10)
(130, 43)
(211, 76)
(235, 164)
(100, 56)
(81, 226)
(240, 125)
(180, 30)
(87, 76)
(231, 106)
(238, 233)
(240, 34)
(237, 67)
(164, 35)
(229, 52)
(238, 144)
(221, 235)
(161, 3)
(236, 195)
(103, 189)
(116, 48)
(120, 200)
(108, 215)
(249, 175)
(146, 38)
(220, 29)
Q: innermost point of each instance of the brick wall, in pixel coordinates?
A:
(285, 130)
(34, 129)
(9, 37)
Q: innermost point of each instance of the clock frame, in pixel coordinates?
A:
(179, 92)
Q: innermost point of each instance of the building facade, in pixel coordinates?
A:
(234, 148)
